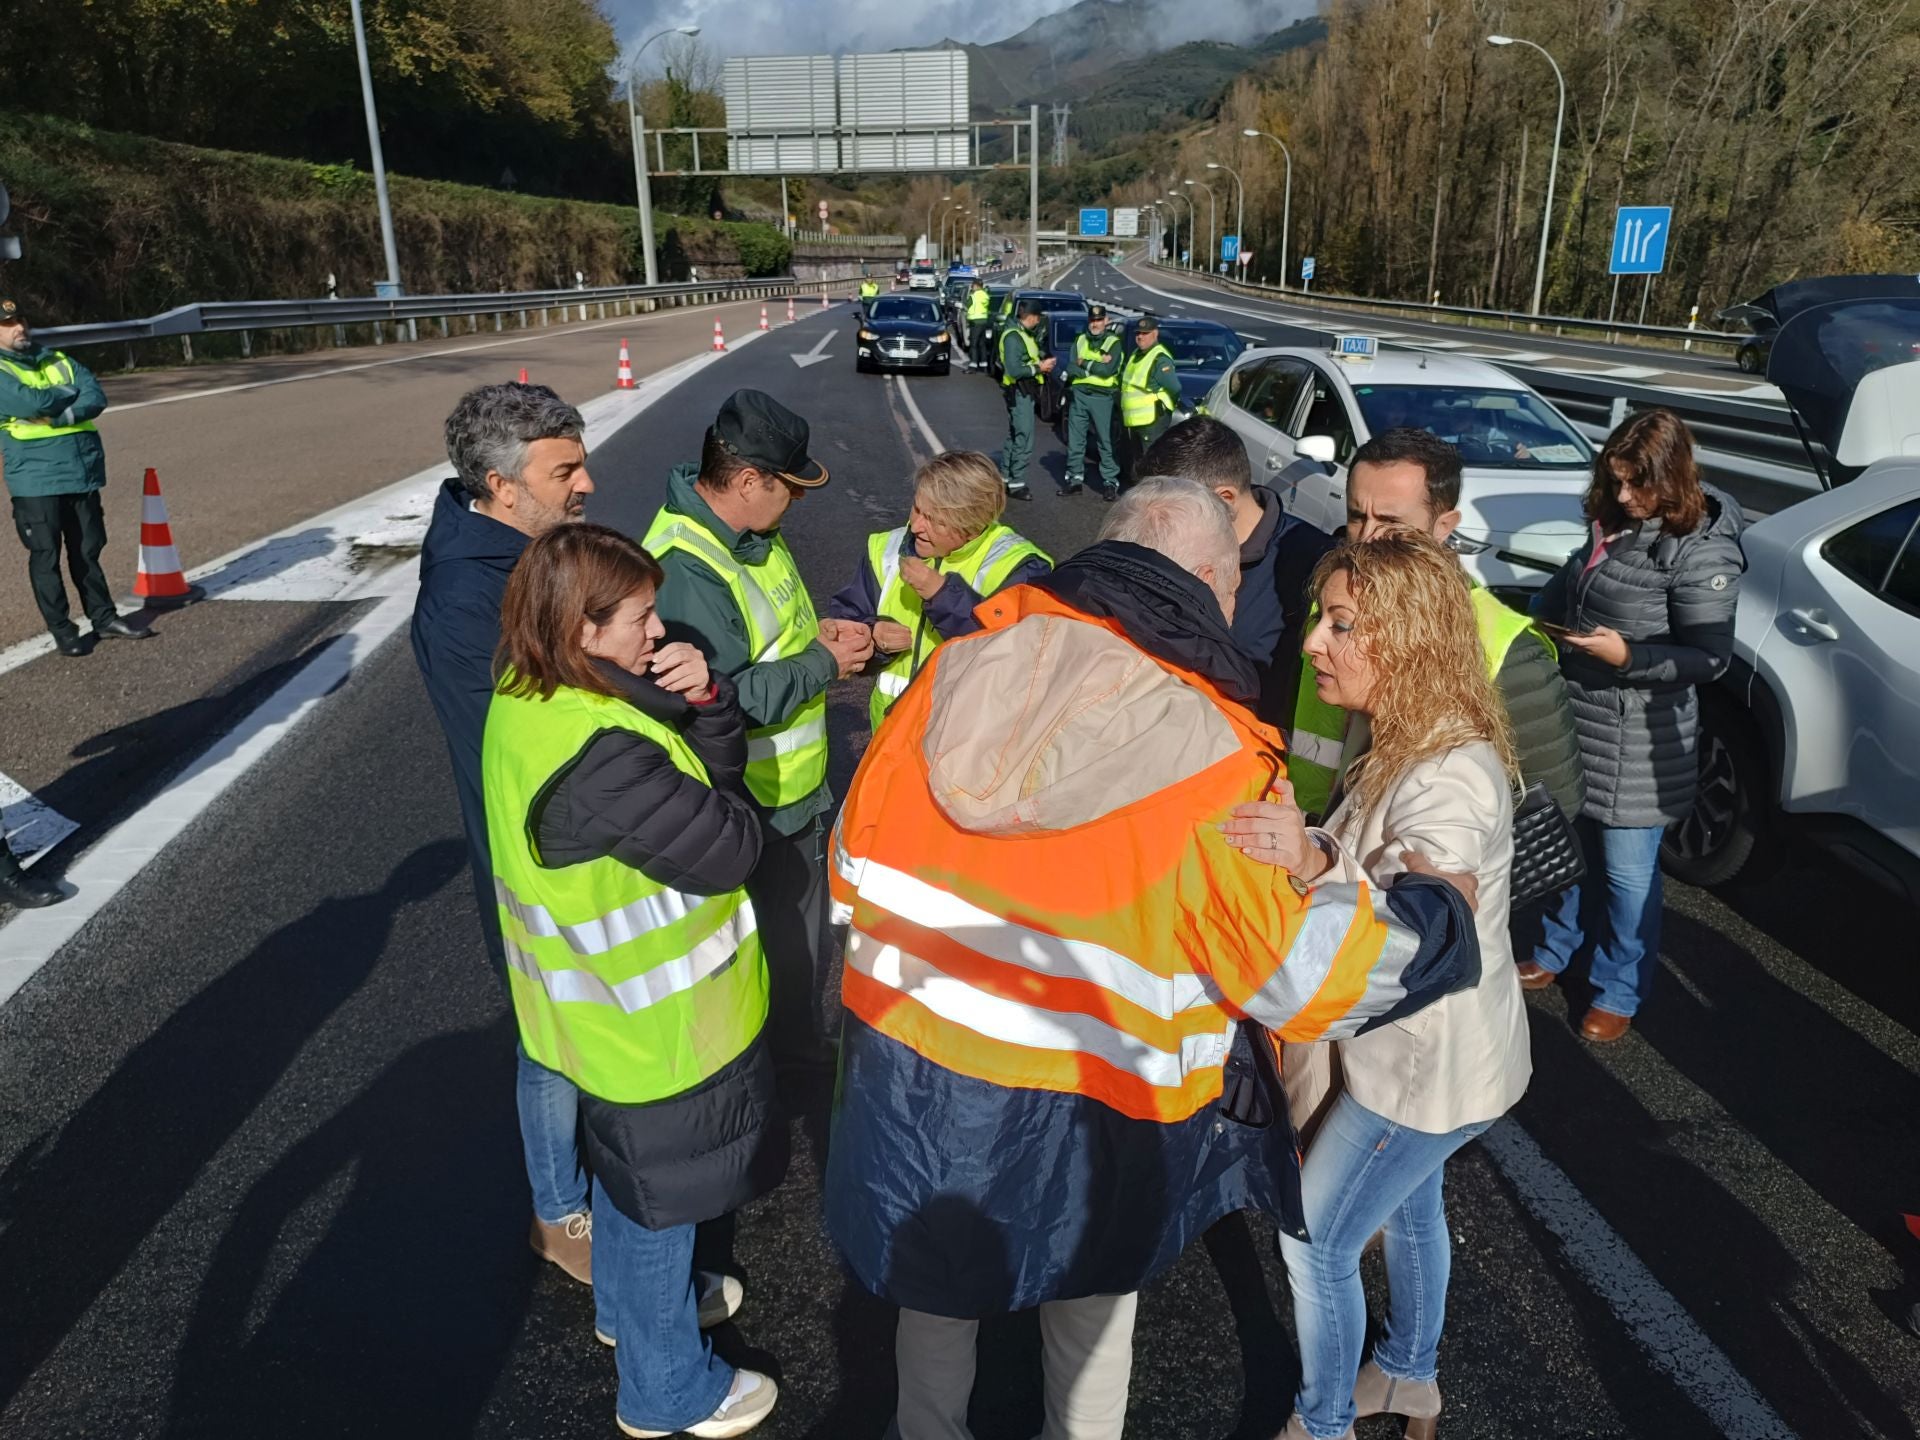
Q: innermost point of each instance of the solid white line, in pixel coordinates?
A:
(920, 421)
(1659, 1324)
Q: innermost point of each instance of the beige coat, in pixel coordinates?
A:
(1465, 1058)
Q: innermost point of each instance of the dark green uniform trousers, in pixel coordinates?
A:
(1013, 464)
(1140, 440)
(1089, 409)
(47, 523)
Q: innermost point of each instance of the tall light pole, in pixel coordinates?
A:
(642, 184)
(929, 225)
(1192, 216)
(392, 286)
(1239, 201)
(1553, 166)
(1213, 244)
(1286, 209)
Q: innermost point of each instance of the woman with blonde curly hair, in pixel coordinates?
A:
(1396, 645)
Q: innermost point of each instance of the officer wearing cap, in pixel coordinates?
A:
(733, 589)
(1093, 375)
(1149, 390)
(55, 468)
(1021, 371)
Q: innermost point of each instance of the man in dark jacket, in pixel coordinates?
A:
(729, 577)
(522, 470)
(1277, 554)
(55, 469)
(1411, 478)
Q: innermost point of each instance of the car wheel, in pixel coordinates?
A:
(1747, 357)
(945, 367)
(1726, 831)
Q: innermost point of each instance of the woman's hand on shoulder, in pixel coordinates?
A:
(1274, 832)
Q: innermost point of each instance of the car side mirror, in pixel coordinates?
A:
(1317, 447)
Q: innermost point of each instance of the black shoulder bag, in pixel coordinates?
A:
(1546, 853)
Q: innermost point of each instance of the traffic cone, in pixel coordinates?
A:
(823, 299)
(523, 374)
(160, 582)
(763, 319)
(719, 340)
(789, 309)
(623, 377)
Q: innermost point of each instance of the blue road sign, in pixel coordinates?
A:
(1306, 267)
(1093, 222)
(1640, 239)
(1229, 248)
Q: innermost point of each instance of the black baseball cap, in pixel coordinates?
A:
(764, 433)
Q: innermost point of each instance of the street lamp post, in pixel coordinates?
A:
(1239, 201)
(1553, 166)
(379, 159)
(1286, 209)
(642, 184)
(929, 226)
(1192, 216)
(1213, 244)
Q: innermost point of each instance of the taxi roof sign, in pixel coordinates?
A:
(1355, 347)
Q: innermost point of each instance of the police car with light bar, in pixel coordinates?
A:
(1526, 466)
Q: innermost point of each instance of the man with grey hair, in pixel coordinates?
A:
(521, 470)
(1052, 953)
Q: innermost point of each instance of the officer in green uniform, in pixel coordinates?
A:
(979, 328)
(55, 469)
(869, 288)
(734, 590)
(1149, 390)
(1093, 375)
(1021, 369)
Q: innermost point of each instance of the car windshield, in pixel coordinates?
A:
(923, 267)
(899, 307)
(1501, 429)
(1067, 328)
(1049, 303)
(1201, 349)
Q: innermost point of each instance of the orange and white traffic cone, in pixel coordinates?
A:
(763, 319)
(160, 582)
(789, 309)
(719, 340)
(523, 374)
(623, 377)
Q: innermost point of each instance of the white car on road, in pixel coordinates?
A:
(1527, 467)
(1816, 728)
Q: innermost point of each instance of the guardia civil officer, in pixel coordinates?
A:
(55, 468)
(979, 332)
(1021, 371)
(1149, 390)
(1093, 375)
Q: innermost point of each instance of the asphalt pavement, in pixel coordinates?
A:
(259, 1171)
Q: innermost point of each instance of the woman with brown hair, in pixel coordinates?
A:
(1644, 614)
(622, 836)
(1396, 646)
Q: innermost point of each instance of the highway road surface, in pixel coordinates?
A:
(259, 1172)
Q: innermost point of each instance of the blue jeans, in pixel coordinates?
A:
(1364, 1173)
(643, 1297)
(1621, 912)
(550, 1135)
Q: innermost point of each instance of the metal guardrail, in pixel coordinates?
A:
(228, 316)
(1413, 310)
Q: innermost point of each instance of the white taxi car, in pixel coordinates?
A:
(1526, 466)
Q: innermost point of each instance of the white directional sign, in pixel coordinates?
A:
(1640, 239)
(1126, 222)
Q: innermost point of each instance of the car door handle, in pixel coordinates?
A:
(1274, 462)
(1815, 622)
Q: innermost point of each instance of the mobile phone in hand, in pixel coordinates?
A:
(1554, 627)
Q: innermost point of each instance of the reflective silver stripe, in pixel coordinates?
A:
(785, 742)
(1018, 1024)
(890, 562)
(1318, 750)
(932, 908)
(891, 683)
(607, 932)
(709, 958)
(997, 552)
(1332, 911)
(761, 616)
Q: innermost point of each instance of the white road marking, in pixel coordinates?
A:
(1658, 1323)
(815, 355)
(934, 446)
(27, 823)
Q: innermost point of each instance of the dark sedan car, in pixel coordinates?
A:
(904, 332)
(1202, 351)
(1062, 328)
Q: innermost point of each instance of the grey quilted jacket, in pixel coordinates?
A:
(1672, 597)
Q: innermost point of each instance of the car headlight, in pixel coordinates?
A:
(1462, 545)
(941, 338)
(868, 335)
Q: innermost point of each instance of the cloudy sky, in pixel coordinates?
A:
(802, 27)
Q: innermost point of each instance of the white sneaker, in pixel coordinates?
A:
(749, 1401)
(720, 1299)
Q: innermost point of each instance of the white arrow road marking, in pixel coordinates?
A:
(27, 823)
(815, 355)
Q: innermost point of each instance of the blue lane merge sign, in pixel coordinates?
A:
(1640, 240)
(1093, 222)
(1306, 268)
(1229, 248)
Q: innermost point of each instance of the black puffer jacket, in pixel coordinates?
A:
(1672, 597)
(709, 1150)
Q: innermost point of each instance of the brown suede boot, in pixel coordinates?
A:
(1415, 1401)
(568, 1244)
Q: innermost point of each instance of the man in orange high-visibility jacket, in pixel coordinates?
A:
(1046, 1087)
